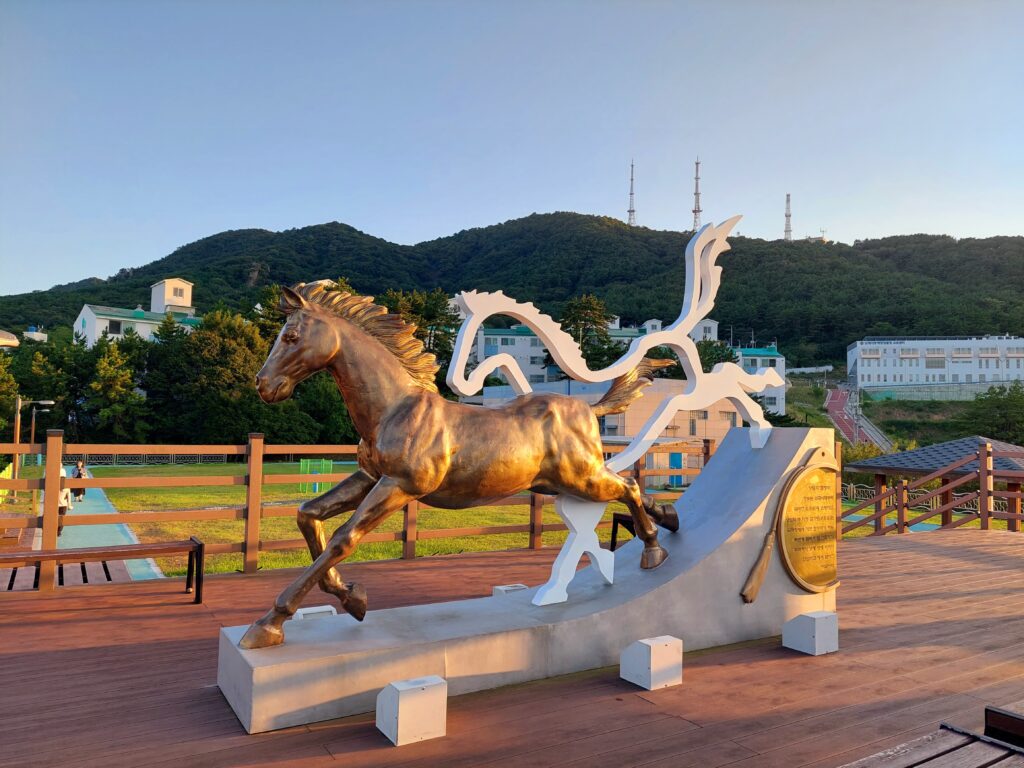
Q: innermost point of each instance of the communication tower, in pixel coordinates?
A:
(788, 236)
(631, 221)
(696, 196)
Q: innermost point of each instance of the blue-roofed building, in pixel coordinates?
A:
(754, 358)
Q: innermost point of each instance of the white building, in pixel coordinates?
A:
(754, 358)
(171, 296)
(530, 352)
(904, 366)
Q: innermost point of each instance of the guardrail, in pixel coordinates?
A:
(961, 497)
(255, 452)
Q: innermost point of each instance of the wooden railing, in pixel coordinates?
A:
(254, 511)
(912, 502)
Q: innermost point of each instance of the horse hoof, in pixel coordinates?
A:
(355, 603)
(261, 636)
(669, 518)
(652, 557)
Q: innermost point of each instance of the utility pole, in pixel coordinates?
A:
(631, 221)
(696, 196)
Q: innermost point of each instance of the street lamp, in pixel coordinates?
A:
(18, 405)
(32, 428)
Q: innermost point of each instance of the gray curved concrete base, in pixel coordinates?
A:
(335, 666)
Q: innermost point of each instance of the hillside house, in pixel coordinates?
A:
(171, 296)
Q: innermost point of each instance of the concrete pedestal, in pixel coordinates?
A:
(413, 710)
(335, 666)
(653, 663)
(814, 633)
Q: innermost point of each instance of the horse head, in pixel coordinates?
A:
(306, 344)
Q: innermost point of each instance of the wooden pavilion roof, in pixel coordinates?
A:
(923, 461)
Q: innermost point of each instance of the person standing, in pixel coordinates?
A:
(63, 503)
(80, 472)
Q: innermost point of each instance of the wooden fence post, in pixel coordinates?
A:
(51, 503)
(536, 521)
(409, 533)
(946, 498)
(253, 502)
(985, 500)
(901, 507)
(1013, 507)
(839, 491)
(879, 488)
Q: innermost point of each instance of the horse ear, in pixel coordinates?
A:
(291, 300)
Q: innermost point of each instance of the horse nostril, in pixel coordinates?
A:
(260, 381)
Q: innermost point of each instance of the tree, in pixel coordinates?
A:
(997, 413)
(8, 391)
(586, 319)
(119, 408)
(709, 351)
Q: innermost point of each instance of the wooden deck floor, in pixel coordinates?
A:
(932, 629)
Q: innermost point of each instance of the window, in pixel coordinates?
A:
(935, 362)
(114, 327)
(536, 361)
(702, 415)
(770, 362)
(536, 378)
(729, 416)
(491, 341)
(693, 427)
(179, 293)
(535, 342)
(507, 342)
(771, 400)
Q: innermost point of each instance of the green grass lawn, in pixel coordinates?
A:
(283, 528)
(925, 421)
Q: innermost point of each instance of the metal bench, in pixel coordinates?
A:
(193, 546)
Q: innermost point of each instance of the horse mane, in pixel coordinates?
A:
(391, 330)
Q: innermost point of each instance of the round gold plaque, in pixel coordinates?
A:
(807, 528)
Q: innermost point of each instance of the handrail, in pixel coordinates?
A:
(253, 478)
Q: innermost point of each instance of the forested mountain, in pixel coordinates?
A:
(813, 298)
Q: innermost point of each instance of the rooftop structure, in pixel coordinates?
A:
(172, 296)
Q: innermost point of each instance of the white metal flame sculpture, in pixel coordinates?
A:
(726, 381)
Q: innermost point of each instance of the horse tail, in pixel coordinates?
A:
(628, 387)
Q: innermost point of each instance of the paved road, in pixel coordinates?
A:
(835, 406)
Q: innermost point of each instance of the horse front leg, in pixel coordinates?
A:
(343, 497)
(383, 499)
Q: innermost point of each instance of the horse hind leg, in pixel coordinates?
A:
(628, 492)
(664, 515)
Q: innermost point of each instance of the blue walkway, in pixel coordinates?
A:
(892, 519)
(97, 503)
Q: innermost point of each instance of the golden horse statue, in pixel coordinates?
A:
(418, 445)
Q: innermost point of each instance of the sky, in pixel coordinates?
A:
(128, 129)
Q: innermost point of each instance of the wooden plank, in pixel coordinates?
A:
(94, 573)
(326, 477)
(977, 754)
(157, 450)
(24, 578)
(72, 573)
(915, 752)
(184, 481)
(178, 515)
(118, 571)
(6, 575)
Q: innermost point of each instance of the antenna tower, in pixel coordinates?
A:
(788, 236)
(631, 221)
(696, 196)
